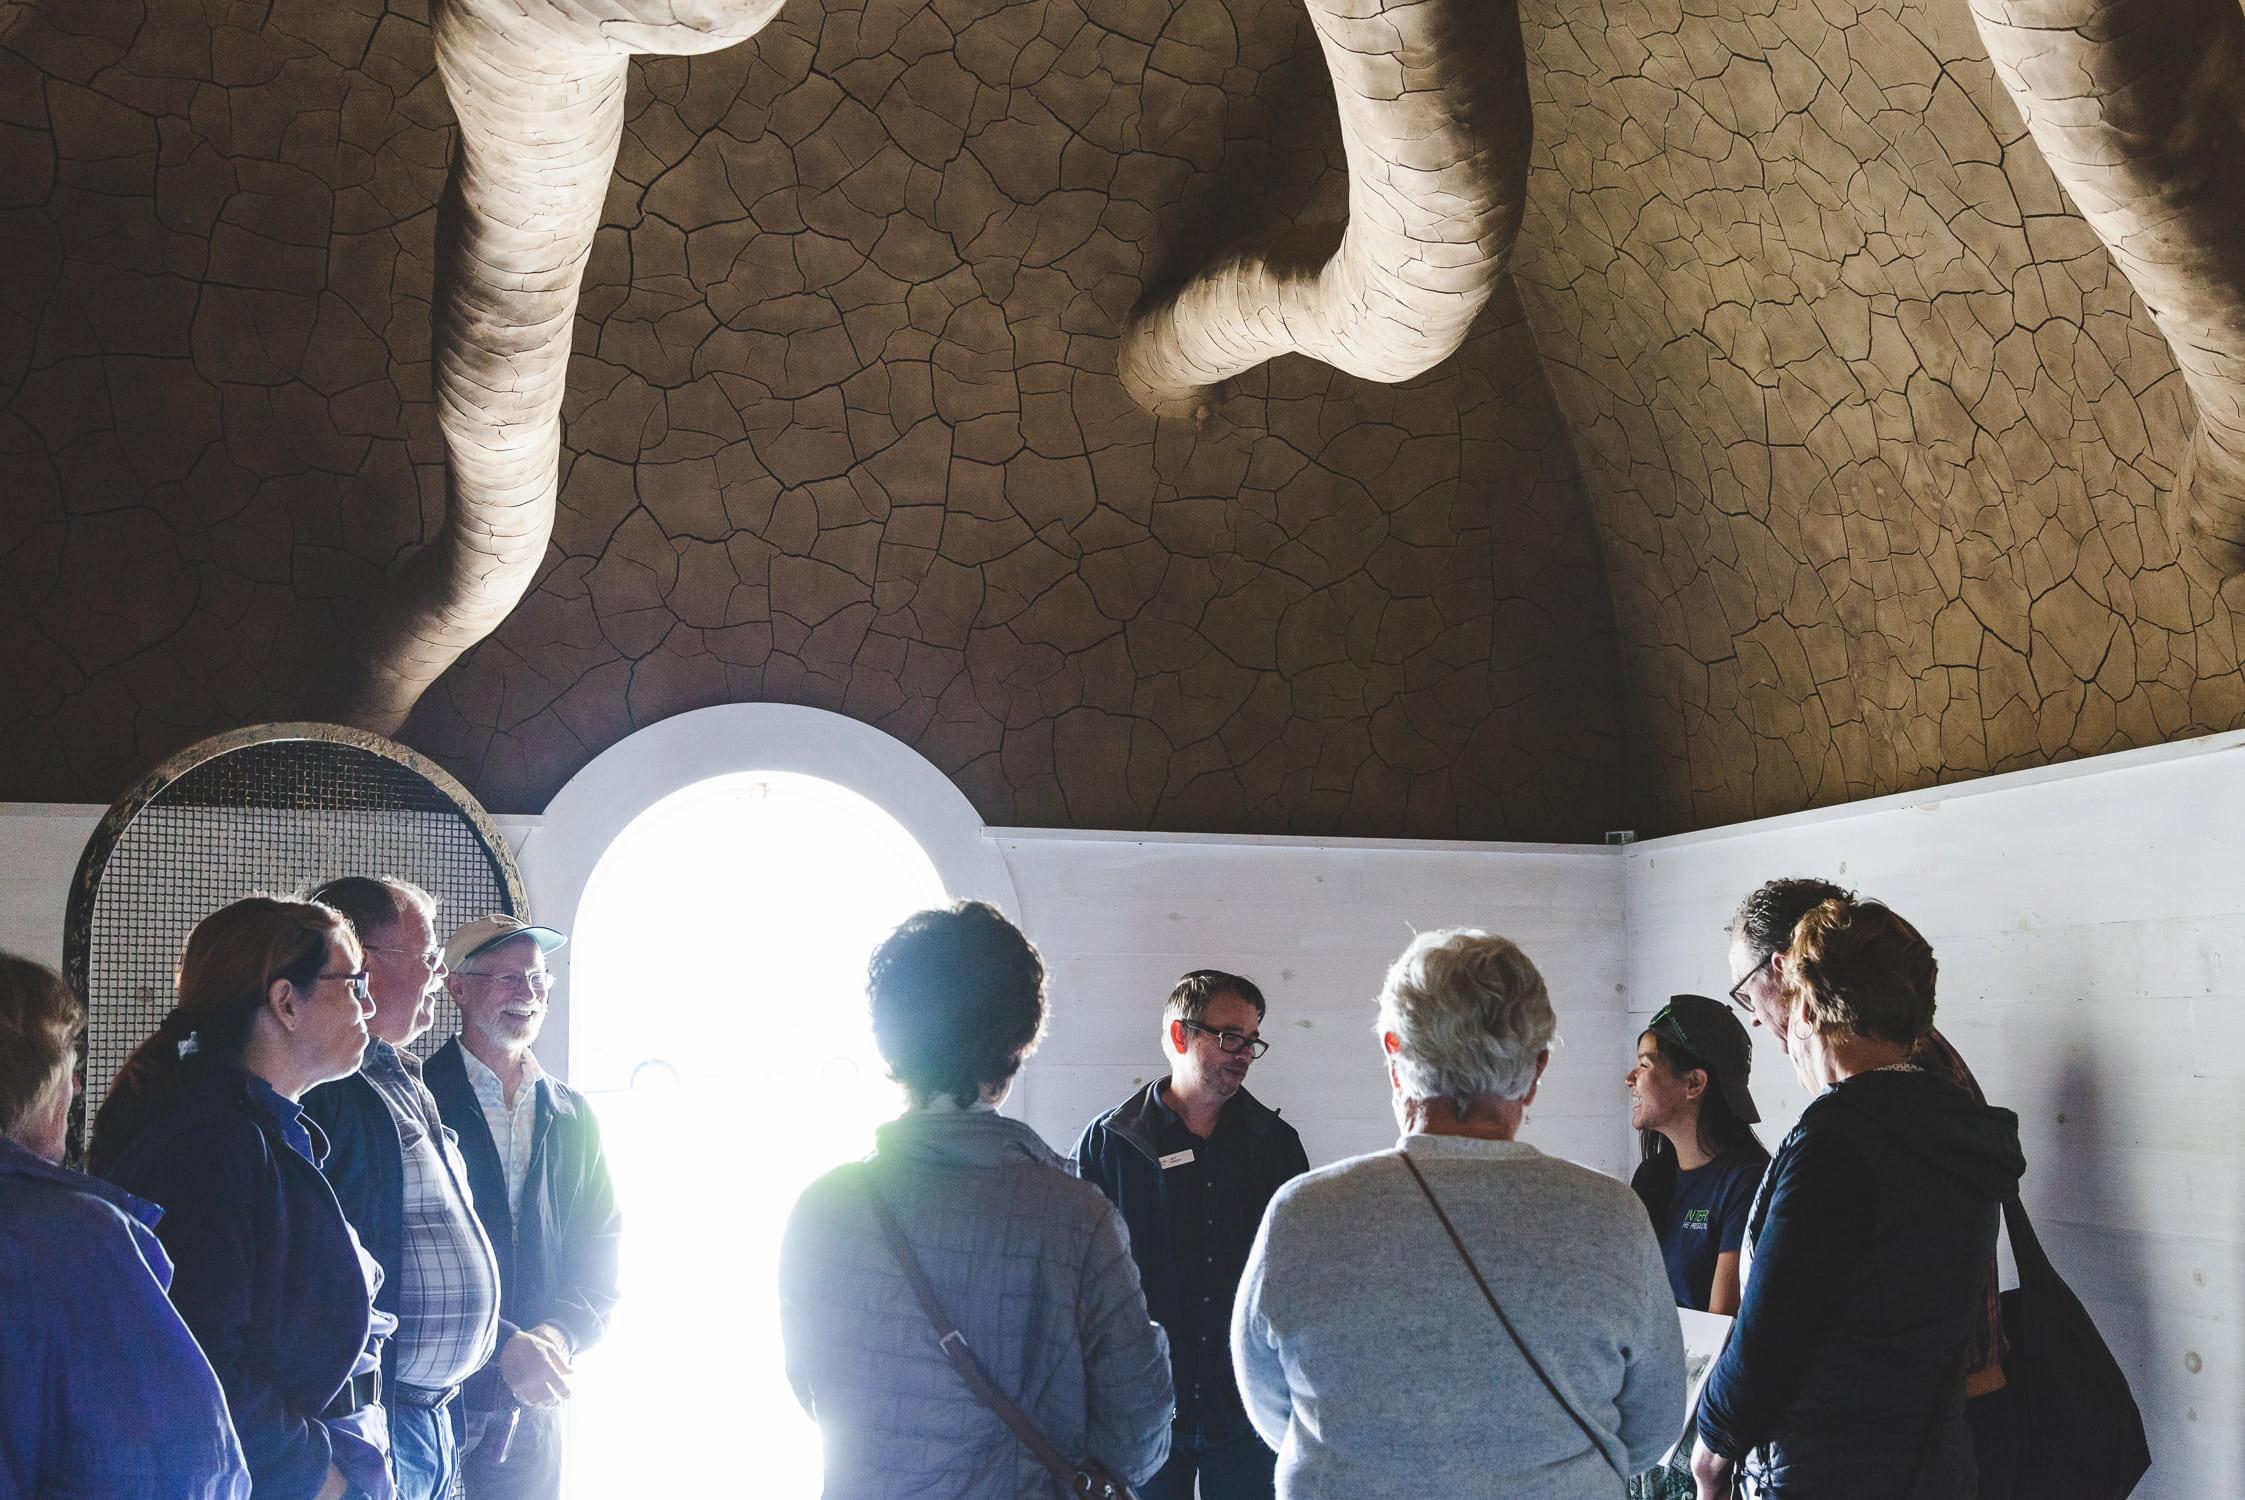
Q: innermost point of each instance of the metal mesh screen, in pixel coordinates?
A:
(275, 815)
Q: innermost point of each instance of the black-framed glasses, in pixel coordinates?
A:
(1739, 999)
(1231, 1042)
(356, 981)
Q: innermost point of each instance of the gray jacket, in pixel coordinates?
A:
(1372, 1363)
(1033, 1265)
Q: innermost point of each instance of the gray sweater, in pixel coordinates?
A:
(1371, 1362)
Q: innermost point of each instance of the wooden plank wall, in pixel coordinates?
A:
(40, 844)
(2090, 924)
(1316, 925)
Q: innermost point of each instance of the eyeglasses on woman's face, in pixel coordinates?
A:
(1232, 1043)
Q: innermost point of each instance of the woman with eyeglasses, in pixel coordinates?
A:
(1701, 1160)
(203, 1120)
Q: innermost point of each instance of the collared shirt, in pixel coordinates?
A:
(103, 1391)
(514, 1127)
(295, 1129)
(1213, 1215)
(285, 1113)
(448, 1288)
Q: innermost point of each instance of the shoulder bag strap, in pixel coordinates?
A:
(1590, 1429)
(954, 1346)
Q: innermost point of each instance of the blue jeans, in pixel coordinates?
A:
(1233, 1468)
(424, 1452)
(532, 1468)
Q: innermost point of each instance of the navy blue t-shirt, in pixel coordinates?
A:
(1705, 1218)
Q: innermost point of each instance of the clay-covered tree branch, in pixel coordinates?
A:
(2139, 107)
(538, 88)
(1433, 102)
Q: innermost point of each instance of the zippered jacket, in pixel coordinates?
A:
(558, 1256)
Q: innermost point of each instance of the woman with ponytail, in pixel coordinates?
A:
(1701, 1160)
(203, 1120)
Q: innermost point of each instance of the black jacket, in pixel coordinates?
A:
(557, 1262)
(1120, 1154)
(366, 1166)
(265, 1274)
(1871, 1247)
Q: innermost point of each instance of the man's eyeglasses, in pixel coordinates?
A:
(530, 984)
(1738, 997)
(432, 959)
(356, 982)
(1232, 1042)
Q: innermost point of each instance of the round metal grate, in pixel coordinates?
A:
(278, 809)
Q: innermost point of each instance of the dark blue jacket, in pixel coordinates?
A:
(102, 1390)
(1120, 1154)
(1871, 1247)
(557, 1259)
(267, 1273)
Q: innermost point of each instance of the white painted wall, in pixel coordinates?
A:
(2090, 924)
(1120, 916)
(2090, 921)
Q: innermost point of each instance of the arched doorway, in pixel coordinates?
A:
(720, 1032)
(724, 883)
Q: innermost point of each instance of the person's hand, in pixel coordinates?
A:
(535, 1365)
(1711, 1472)
(335, 1487)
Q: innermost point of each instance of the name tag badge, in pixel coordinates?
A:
(1177, 1159)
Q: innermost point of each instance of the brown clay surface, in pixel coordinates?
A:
(1882, 448)
(842, 427)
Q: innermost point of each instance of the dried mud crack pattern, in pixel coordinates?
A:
(1879, 441)
(2140, 110)
(1433, 112)
(841, 426)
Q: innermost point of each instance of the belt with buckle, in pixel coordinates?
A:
(360, 1391)
(427, 1400)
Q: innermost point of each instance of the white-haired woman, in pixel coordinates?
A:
(1462, 1315)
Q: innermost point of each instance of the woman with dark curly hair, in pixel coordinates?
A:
(1028, 1263)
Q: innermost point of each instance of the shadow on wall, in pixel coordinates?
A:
(2106, 1269)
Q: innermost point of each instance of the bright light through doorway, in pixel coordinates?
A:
(717, 1020)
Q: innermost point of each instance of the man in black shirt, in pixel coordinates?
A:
(1192, 1161)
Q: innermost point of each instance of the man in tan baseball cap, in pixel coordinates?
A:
(484, 933)
(542, 1190)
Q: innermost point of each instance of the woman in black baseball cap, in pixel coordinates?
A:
(1702, 1163)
